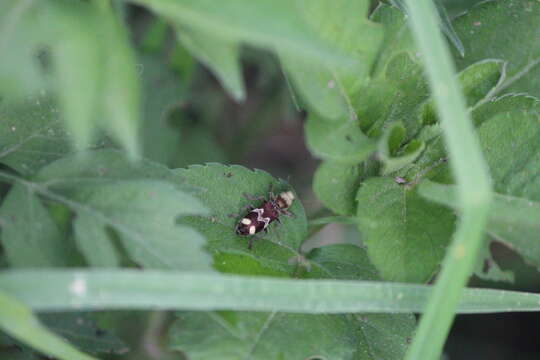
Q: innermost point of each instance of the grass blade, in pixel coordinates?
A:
(63, 290)
(471, 175)
(18, 321)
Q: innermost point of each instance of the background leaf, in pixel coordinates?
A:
(30, 237)
(344, 142)
(506, 30)
(79, 329)
(406, 236)
(220, 55)
(31, 134)
(336, 184)
(329, 89)
(140, 202)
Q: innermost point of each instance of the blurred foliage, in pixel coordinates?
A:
(88, 89)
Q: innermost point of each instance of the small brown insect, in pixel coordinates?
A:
(259, 218)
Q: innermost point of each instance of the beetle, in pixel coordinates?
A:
(258, 219)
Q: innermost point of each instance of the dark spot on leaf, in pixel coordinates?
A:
(408, 340)
(229, 174)
(348, 138)
(100, 332)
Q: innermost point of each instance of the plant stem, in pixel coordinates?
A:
(471, 175)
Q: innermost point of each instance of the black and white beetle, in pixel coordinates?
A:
(259, 218)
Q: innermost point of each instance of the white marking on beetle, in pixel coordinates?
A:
(288, 197)
(246, 221)
(78, 286)
(252, 230)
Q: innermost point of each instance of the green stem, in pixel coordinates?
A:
(470, 171)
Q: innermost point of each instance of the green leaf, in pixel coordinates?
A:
(406, 236)
(336, 185)
(30, 237)
(505, 104)
(80, 64)
(273, 24)
(139, 201)
(31, 134)
(392, 154)
(18, 321)
(121, 93)
(220, 55)
(397, 35)
(478, 82)
(506, 30)
(398, 93)
(344, 142)
(329, 89)
(80, 329)
(105, 94)
(20, 72)
(445, 23)
(163, 90)
(511, 149)
(102, 166)
(262, 336)
(222, 191)
(143, 214)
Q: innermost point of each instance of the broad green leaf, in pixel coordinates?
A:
(397, 35)
(505, 104)
(21, 74)
(80, 64)
(328, 88)
(105, 94)
(220, 55)
(506, 30)
(431, 163)
(406, 236)
(80, 329)
(102, 166)
(272, 24)
(399, 93)
(336, 185)
(478, 82)
(139, 201)
(343, 142)
(121, 93)
(143, 214)
(392, 154)
(30, 237)
(512, 151)
(265, 336)
(222, 191)
(18, 321)
(31, 134)
(162, 90)
(510, 216)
